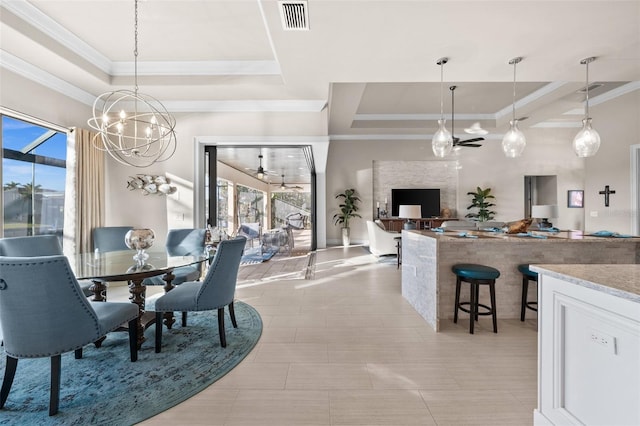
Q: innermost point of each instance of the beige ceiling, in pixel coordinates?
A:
(369, 64)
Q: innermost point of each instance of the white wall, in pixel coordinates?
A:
(548, 152)
(618, 123)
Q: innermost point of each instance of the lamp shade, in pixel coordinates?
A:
(544, 211)
(410, 211)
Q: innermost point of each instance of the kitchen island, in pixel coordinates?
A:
(427, 256)
(588, 345)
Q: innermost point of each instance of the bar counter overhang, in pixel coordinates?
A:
(429, 285)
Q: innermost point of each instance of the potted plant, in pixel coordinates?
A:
(348, 208)
(480, 202)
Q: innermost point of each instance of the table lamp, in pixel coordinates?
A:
(544, 212)
(410, 212)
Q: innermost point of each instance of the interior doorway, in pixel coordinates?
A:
(539, 190)
(271, 185)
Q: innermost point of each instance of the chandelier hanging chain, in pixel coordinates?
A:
(135, 49)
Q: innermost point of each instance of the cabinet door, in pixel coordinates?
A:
(392, 224)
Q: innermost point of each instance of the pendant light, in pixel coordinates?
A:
(134, 128)
(587, 141)
(513, 142)
(442, 142)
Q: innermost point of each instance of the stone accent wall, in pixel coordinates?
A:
(441, 175)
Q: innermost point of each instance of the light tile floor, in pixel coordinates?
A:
(345, 348)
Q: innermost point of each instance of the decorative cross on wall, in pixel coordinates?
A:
(606, 194)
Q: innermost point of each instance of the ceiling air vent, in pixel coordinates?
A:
(294, 15)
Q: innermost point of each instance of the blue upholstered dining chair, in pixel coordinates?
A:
(37, 245)
(110, 238)
(43, 313)
(215, 292)
(183, 242)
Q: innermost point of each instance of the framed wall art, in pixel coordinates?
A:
(575, 198)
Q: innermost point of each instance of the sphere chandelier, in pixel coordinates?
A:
(134, 128)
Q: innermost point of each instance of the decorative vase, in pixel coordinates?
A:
(345, 237)
(139, 240)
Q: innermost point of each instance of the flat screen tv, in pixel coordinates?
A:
(429, 199)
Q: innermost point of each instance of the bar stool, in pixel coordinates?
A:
(527, 275)
(476, 275)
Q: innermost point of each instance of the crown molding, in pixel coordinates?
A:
(418, 117)
(246, 106)
(36, 74)
(200, 68)
(34, 17)
(530, 98)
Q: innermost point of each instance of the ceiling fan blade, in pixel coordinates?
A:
(472, 140)
(471, 145)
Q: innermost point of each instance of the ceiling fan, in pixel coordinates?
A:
(457, 141)
(260, 172)
(283, 186)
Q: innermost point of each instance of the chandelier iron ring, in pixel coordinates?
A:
(138, 138)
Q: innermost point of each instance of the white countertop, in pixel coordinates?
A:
(618, 280)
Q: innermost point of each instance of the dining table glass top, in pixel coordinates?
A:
(118, 265)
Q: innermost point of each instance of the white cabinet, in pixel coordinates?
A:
(588, 346)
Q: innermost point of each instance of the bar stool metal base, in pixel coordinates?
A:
(476, 275)
(527, 275)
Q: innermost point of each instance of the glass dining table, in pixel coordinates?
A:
(101, 268)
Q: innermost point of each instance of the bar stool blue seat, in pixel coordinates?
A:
(527, 275)
(475, 275)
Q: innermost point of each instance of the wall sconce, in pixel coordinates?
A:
(151, 184)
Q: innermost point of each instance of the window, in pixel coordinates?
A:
(225, 205)
(33, 178)
(251, 205)
(286, 205)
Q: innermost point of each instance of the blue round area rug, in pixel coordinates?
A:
(106, 388)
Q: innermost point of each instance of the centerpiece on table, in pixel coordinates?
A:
(140, 239)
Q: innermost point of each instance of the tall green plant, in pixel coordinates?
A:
(480, 202)
(348, 207)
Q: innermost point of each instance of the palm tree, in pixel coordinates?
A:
(28, 191)
(11, 185)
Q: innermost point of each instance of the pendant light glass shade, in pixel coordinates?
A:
(587, 142)
(513, 142)
(442, 141)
